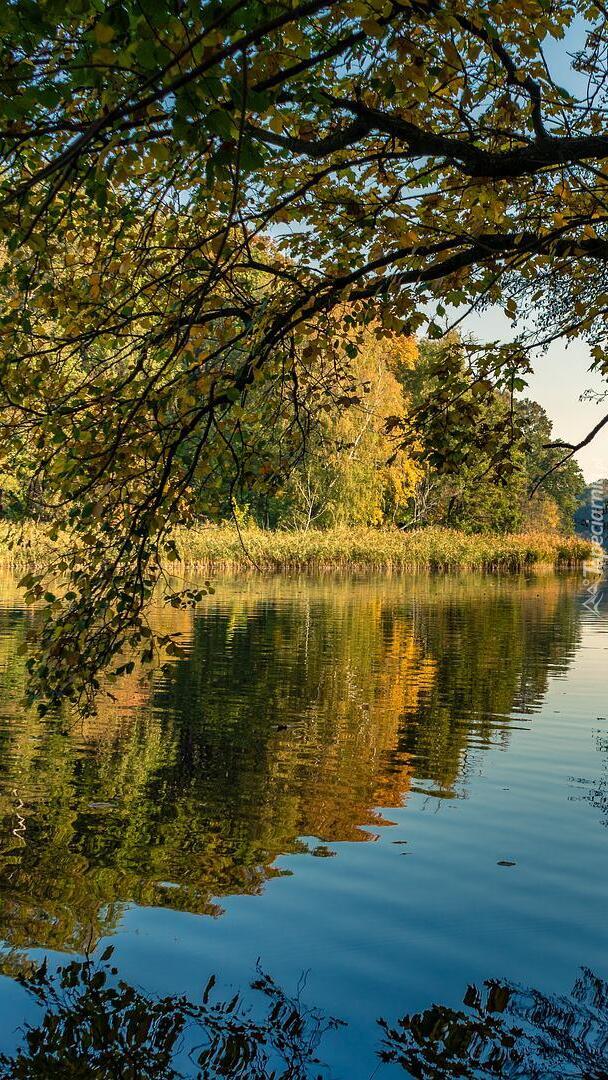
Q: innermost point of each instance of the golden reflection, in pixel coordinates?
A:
(305, 708)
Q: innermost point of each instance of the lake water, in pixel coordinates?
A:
(392, 787)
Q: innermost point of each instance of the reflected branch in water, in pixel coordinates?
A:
(595, 792)
(96, 1025)
(508, 1031)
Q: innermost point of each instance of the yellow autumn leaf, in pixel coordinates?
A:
(103, 33)
(372, 27)
(103, 56)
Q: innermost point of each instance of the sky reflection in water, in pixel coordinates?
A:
(398, 786)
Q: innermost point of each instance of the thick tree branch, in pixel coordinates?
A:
(465, 154)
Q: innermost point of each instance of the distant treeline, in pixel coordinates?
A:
(366, 466)
(370, 457)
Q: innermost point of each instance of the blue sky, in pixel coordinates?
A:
(560, 377)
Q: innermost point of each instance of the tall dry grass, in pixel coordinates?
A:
(222, 547)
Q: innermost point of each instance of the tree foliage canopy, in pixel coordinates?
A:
(204, 204)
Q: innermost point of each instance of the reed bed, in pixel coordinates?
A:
(224, 548)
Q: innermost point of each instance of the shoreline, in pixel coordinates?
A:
(224, 548)
(367, 549)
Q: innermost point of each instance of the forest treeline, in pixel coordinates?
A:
(370, 459)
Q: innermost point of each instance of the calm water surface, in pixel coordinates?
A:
(397, 786)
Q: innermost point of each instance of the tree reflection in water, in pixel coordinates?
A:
(595, 791)
(301, 710)
(95, 1025)
(508, 1031)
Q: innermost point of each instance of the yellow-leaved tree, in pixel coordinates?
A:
(354, 472)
